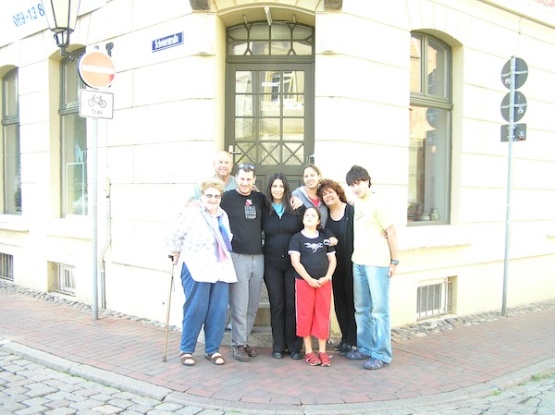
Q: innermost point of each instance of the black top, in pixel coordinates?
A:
(278, 232)
(343, 231)
(245, 220)
(314, 253)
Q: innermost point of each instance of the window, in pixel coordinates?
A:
(11, 156)
(430, 131)
(73, 143)
(280, 38)
(435, 298)
(6, 266)
(63, 280)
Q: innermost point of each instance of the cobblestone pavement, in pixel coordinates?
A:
(29, 388)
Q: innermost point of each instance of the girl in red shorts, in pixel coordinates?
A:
(314, 261)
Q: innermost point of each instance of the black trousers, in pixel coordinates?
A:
(344, 306)
(280, 282)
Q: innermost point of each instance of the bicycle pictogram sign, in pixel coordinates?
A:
(97, 100)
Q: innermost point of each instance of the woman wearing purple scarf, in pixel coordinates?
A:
(200, 242)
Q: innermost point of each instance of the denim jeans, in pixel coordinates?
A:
(244, 295)
(371, 296)
(205, 305)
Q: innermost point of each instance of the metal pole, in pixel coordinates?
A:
(93, 196)
(509, 185)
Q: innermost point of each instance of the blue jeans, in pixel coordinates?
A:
(371, 296)
(205, 305)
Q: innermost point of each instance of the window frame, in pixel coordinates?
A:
(70, 108)
(11, 179)
(437, 186)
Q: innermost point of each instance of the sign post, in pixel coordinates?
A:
(513, 108)
(97, 71)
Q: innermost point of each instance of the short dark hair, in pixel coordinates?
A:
(246, 167)
(358, 174)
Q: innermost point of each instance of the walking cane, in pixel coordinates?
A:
(168, 312)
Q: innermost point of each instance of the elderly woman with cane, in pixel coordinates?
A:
(201, 241)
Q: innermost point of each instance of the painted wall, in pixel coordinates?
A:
(169, 121)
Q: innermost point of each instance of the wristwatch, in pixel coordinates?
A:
(394, 262)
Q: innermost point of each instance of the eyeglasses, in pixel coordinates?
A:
(246, 167)
(209, 196)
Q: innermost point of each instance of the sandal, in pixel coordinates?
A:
(215, 358)
(186, 359)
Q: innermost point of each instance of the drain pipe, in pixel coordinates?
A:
(107, 244)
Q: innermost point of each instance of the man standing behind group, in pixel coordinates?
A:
(244, 208)
(375, 261)
(223, 164)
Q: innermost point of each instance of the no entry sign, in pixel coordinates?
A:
(96, 69)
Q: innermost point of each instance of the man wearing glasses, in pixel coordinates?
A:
(244, 208)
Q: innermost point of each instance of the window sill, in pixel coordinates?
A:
(13, 223)
(418, 237)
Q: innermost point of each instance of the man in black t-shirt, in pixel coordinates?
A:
(244, 208)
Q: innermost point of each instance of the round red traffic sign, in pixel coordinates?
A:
(96, 69)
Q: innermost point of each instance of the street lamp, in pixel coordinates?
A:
(62, 18)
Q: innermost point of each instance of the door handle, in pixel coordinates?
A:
(231, 150)
(310, 159)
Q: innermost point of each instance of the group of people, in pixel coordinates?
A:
(303, 245)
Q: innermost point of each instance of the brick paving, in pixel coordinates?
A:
(468, 358)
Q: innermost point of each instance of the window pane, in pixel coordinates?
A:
(243, 81)
(415, 64)
(12, 170)
(244, 129)
(302, 48)
(238, 48)
(269, 129)
(71, 83)
(293, 129)
(238, 32)
(437, 69)
(260, 31)
(293, 105)
(302, 32)
(9, 92)
(74, 165)
(244, 105)
(280, 31)
(429, 154)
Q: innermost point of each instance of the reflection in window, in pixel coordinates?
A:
(73, 143)
(430, 131)
(11, 155)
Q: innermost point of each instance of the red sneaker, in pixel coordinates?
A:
(324, 359)
(311, 359)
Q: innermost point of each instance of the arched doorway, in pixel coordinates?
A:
(270, 97)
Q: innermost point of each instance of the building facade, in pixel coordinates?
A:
(410, 89)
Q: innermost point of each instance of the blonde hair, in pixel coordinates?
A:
(215, 183)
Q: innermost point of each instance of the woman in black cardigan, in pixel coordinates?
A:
(340, 222)
(280, 222)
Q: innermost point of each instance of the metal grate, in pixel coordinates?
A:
(6, 267)
(434, 299)
(65, 281)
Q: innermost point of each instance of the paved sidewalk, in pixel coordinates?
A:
(463, 363)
